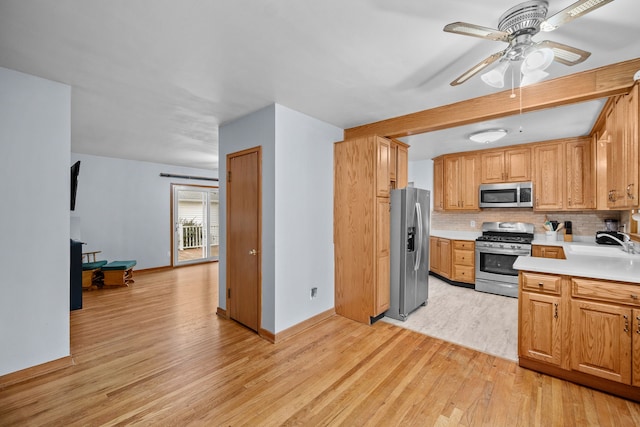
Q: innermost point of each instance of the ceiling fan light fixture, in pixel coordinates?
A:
(495, 77)
(487, 136)
(538, 59)
(533, 77)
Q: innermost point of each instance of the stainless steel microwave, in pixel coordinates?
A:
(506, 195)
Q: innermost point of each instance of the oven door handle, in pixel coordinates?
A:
(503, 251)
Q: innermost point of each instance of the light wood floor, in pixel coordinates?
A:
(156, 354)
(489, 324)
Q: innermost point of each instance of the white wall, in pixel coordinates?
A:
(297, 211)
(34, 160)
(304, 216)
(421, 175)
(256, 129)
(123, 208)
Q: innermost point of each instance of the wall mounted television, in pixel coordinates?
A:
(75, 171)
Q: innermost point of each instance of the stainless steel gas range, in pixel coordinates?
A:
(497, 249)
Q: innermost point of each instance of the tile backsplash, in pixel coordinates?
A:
(584, 223)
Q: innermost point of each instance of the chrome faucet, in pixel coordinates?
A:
(627, 244)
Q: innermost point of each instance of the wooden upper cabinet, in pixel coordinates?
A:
(548, 176)
(615, 154)
(506, 165)
(402, 166)
(461, 176)
(383, 166)
(398, 165)
(518, 164)
(622, 157)
(492, 166)
(580, 177)
(393, 161)
(632, 142)
(438, 184)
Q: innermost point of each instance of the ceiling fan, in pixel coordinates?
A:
(517, 26)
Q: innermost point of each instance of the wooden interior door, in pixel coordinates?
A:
(243, 237)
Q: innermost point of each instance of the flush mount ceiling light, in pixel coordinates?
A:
(487, 136)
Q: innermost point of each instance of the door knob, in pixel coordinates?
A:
(253, 252)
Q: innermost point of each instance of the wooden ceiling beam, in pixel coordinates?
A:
(584, 86)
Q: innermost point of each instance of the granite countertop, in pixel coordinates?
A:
(585, 259)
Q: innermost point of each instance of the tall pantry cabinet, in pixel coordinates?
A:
(361, 215)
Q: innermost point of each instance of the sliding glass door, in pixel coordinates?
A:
(195, 224)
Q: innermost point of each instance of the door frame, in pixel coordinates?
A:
(230, 156)
(173, 187)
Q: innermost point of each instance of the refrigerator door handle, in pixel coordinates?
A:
(416, 264)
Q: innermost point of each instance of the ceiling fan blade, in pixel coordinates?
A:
(564, 54)
(473, 30)
(576, 10)
(477, 68)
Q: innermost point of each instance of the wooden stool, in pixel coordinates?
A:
(118, 273)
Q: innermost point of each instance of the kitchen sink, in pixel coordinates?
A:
(603, 251)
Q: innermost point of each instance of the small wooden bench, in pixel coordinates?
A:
(92, 275)
(118, 273)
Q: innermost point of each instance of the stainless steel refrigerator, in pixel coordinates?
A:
(409, 251)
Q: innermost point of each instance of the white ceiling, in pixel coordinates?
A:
(153, 79)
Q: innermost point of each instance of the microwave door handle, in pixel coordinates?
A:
(416, 264)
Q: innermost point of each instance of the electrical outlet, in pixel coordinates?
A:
(314, 292)
(472, 224)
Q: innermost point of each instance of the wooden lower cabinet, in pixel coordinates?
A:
(540, 331)
(601, 340)
(452, 259)
(463, 261)
(635, 349)
(541, 251)
(440, 256)
(580, 329)
(382, 297)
